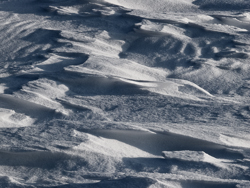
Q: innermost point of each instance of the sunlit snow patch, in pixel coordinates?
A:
(122, 68)
(110, 147)
(44, 92)
(9, 118)
(158, 5)
(194, 156)
(235, 141)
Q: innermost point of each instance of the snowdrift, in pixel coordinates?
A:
(122, 93)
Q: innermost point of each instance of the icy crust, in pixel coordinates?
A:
(122, 93)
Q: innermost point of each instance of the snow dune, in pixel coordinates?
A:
(122, 93)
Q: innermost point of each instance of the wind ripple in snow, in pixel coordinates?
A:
(115, 93)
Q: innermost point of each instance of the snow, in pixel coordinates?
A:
(122, 93)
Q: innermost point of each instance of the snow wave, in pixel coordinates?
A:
(115, 93)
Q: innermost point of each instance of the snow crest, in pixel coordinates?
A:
(124, 93)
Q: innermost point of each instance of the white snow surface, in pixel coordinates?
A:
(124, 93)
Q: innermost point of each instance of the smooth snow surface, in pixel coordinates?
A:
(125, 93)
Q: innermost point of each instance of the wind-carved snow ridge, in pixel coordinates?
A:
(122, 93)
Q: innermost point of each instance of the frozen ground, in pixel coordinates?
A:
(124, 93)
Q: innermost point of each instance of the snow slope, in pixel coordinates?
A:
(122, 93)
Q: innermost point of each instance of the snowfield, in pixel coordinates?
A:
(125, 93)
